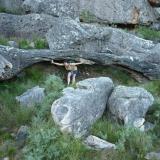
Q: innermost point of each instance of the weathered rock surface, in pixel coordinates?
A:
(79, 108)
(25, 26)
(155, 26)
(12, 44)
(56, 8)
(31, 97)
(94, 142)
(106, 46)
(119, 11)
(158, 10)
(155, 3)
(139, 123)
(69, 39)
(142, 125)
(129, 103)
(22, 135)
(153, 156)
(13, 6)
(6, 158)
(13, 60)
(4, 65)
(148, 126)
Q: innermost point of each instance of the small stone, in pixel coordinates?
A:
(4, 63)
(31, 97)
(148, 126)
(13, 44)
(13, 135)
(22, 135)
(138, 122)
(153, 156)
(32, 45)
(94, 142)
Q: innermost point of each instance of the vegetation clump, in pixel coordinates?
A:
(38, 43)
(147, 33)
(88, 17)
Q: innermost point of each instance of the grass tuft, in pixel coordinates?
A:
(3, 41)
(148, 33)
(41, 44)
(37, 43)
(130, 141)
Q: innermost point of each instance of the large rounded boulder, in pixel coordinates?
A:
(79, 108)
(57, 8)
(12, 6)
(129, 104)
(25, 26)
(118, 11)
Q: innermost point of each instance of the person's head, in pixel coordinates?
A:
(66, 63)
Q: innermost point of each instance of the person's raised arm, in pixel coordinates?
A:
(78, 63)
(84, 61)
(58, 64)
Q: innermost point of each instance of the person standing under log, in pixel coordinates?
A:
(71, 68)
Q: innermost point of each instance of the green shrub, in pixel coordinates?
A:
(2, 10)
(45, 108)
(135, 142)
(42, 141)
(8, 148)
(3, 41)
(88, 17)
(47, 142)
(41, 44)
(107, 130)
(36, 74)
(11, 11)
(12, 114)
(38, 44)
(54, 84)
(118, 75)
(12, 117)
(148, 33)
(154, 112)
(130, 142)
(153, 87)
(24, 44)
